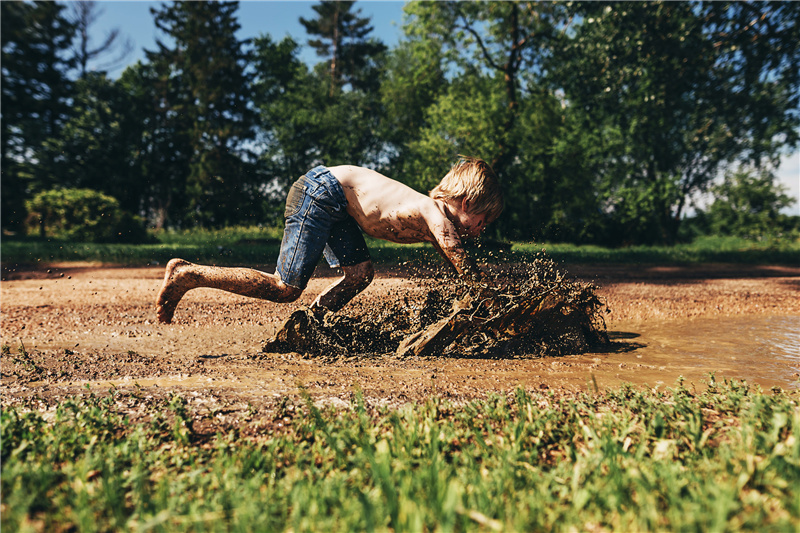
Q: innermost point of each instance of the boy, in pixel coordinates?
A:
(326, 211)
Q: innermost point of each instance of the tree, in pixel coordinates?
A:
(96, 147)
(494, 104)
(551, 194)
(35, 92)
(343, 38)
(84, 14)
(285, 111)
(160, 151)
(748, 204)
(675, 92)
(209, 87)
(412, 81)
(304, 122)
(466, 119)
(303, 125)
(484, 37)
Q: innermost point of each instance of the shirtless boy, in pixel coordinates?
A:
(326, 212)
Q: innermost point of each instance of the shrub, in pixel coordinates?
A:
(748, 204)
(83, 215)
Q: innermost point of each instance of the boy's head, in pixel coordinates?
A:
(473, 180)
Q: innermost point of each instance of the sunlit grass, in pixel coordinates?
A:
(724, 459)
(707, 249)
(257, 246)
(224, 236)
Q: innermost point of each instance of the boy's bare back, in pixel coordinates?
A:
(385, 208)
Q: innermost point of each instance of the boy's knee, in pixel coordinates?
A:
(369, 273)
(360, 275)
(288, 294)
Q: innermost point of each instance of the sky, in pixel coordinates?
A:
(256, 17)
(281, 18)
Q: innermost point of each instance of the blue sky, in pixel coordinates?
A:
(281, 18)
(257, 17)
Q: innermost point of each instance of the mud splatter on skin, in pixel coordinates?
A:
(532, 309)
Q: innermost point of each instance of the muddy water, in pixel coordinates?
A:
(104, 319)
(760, 349)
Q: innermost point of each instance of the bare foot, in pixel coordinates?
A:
(172, 290)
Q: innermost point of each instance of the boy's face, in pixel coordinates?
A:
(469, 224)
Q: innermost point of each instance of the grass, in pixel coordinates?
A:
(708, 249)
(253, 246)
(723, 459)
(230, 246)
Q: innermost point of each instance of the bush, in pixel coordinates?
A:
(748, 205)
(83, 215)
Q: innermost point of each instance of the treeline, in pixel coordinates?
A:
(602, 119)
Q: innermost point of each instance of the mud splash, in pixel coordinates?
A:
(533, 309)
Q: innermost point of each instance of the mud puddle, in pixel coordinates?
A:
(763, 350)
(759, 349)
(95, 326)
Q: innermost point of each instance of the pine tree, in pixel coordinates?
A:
(207, 90)
(343, 38)
(35, 92)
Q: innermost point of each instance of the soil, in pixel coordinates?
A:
(521, 310)
(75, 329)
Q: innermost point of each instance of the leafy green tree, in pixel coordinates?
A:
(208, 83)
(96, 147)
(412, 81)
(285, 112)
(748, 204)
(466, 119)
(495, 106)
(504, 39)
(552, 194)
(342, 36)
(675, 91)
(303, 124)
(159, 151)
(35, 91)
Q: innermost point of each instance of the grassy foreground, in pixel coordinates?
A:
(725, 459)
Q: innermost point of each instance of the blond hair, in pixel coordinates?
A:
(473, 179)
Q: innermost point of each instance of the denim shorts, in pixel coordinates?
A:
(317, 224)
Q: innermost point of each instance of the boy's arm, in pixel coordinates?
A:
(449, 245)
(459, 259)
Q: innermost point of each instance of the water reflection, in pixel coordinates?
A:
(759, 349)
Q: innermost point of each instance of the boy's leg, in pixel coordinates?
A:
(356, 279)
(182, 276)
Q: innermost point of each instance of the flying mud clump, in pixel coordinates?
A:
(529, 309)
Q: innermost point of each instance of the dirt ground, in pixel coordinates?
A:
(72, 329)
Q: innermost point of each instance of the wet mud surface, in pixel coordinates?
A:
(524, 310)
(73, 329)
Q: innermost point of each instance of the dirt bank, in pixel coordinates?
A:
(84, 324)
